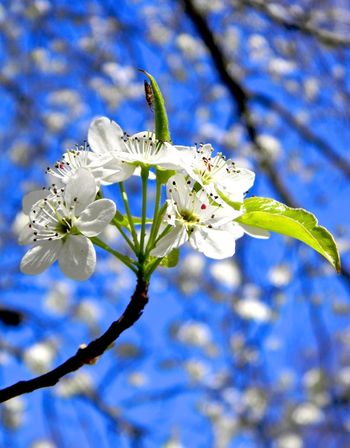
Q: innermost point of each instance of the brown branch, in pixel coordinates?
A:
(85, 355)
(323, 147)
(113, 415)
(301, 25)
(240, 96)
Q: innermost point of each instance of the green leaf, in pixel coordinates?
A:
(161, 118)
(233, 204)
(297, 223)
(171, 260)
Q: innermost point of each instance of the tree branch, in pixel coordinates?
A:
(85, 355)
(325, 148)
(284, 18)
(240, 96)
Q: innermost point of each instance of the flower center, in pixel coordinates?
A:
(64, 226)
(145, 149)
(72, 160)
(188, 216)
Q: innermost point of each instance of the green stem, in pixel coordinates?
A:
(124, 259)
(155, 226)
(129, 216)
(153, 265)
(124, 235)
(144, 177)
(151, 268)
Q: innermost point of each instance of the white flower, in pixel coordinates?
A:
(137, 379)
(194, 333)
(307, 414)
(39, 357)
(215, 173)
(280, 275)
(102, 166)
(208, 228)
(60, 227)
(253, 309)
(130, 152)
(79, 383)
(220, 178)
(226, 273)
(289, 440)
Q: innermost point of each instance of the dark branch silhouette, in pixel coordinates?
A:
(88, 354)
(240, 96)
(301, 24)
(320, 144)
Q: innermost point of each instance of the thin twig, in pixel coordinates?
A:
(85, 355)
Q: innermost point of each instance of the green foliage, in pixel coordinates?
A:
(161, 118)
(297, 223)
(171, 260)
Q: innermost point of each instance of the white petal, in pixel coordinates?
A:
(26, 235)
(31, 198)
(170, 158)
(80, 190)
(104, 135)
(77, 258)
(145, 135)
(40, 257)
(216, 215)
(214, 243)
(178, 189)
(175, 238)
(96, 217)
(255, 231)
(117, 171)
(235, 185)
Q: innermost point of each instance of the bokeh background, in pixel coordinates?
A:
(248, 352)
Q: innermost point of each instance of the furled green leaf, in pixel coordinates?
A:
(297, 223)
(161, 118)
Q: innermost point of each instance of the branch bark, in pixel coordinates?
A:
(284, 18)
(239, 95)
(242, 98)
(340, 162)
(85, 355)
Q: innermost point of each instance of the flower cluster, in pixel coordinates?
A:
(203, 196)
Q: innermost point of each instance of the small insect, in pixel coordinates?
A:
(149, 94)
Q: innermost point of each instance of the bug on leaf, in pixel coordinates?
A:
(149, 94)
